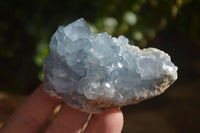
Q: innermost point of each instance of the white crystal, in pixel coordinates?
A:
(92, 72)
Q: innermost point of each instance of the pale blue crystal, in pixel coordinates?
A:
(92, 72)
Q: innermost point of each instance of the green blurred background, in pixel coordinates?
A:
(170, 25)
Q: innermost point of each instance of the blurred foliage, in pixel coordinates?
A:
(26, 28)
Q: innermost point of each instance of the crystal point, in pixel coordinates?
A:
(91, 72)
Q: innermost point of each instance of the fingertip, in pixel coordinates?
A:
(113, 120)
(109, 121)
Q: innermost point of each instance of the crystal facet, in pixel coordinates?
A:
(91, 72)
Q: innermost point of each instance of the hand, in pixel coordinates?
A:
(32, 115)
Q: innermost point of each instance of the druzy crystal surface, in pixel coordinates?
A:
(91, 72)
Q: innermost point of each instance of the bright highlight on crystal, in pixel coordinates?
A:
(91, 72)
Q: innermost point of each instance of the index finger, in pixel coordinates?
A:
(32, 114)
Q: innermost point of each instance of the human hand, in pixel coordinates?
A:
(32, 115)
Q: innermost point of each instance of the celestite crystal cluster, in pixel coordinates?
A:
(91, 72)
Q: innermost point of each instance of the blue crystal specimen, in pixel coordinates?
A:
(92, 72)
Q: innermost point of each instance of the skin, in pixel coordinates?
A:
(32, 115)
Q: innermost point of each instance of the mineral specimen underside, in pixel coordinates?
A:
(91, 72)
